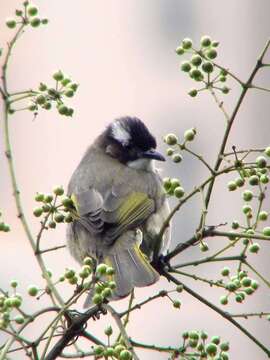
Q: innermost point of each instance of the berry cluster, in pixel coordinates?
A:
(46, 96)
(173, 187)
(118, 351)
(8, 303)
(197, 340)
(239, 285)
(104, 285)
(3, 226)
(27, 16)
(201, 67)
(55, 207)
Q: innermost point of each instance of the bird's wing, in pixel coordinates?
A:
(113, 215)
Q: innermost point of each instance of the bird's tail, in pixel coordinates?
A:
(132, 269)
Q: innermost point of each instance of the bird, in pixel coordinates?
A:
(121, 205)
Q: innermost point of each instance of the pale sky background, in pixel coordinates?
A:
(121, 53)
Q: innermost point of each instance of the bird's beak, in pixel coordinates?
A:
(153, 154)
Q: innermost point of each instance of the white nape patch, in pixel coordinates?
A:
(120, 133)
(142, 164)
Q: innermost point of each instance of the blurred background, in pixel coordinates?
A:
(122, 55)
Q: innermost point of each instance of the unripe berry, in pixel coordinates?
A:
(67, 202)
(204, 335)
(58, 75)
(38, 212)
(108, 331)
(44, 21)
(107, 292)
(266, 231)
(225, 90)
(193, 335)
(267, 151)
(211, 54)
(69, 273)
(231, 286)
(59, 218)
(40, 99)
(254, 248)
(261, 162)
(177, 158)
(63, 109)
(189, 134)
(110, 271)
(185, 335)
(179, 50)
(240, 182)
(58, 190)
(14, 283)
(215, 43)
(215, 339)
(69, 93)
(247, 209)
(32, 10)
(225, 271)
(254, 180)
(223, 300)
(11, 23)
(224, 346)
(179, 288)
(196, 60)
(101, 269)
(249, 291)
(125, 355)
(196, 74)
(177, 304)
(179, 192)
(185, 66)
(99, 350)
(19, 319)
(171, 139)
(193, 343)
(167, 183)
(247, 195)
(88, 261)
(169, 151)
(235, 225)
(205, 41)
(112, 285)
(52, 224)
(208, 67)
(175, 183)
(204, 247)
(119, 348)
(35, 22)
(231, 186)
(193, 92)
(222, 78)
(246, 281)
(48, 198)
(32, 290)
(186, 43)
(263, 215)
(211, 349)
(264, 179)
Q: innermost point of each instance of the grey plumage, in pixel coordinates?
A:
(101, 183)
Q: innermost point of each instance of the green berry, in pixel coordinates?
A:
(110, 271)
(16, 302)
(32, 290)
(58, 190)
(63, 109)
(177, 304)
(185, 335)
(171, 139)
(32, 106)
(48, 198)
(225, 90)
(38, 212)
(246, 281)
(42, 87)
(189, 134)
(193, 343)
(231, 286)
(179, 50)
(249, 291)
(67, 202)
(240, 182)
(39, 197)
(254, 180)
(224, 346)
(266, 231)
(196, 74)
(261, 162)
(179, 288)
(40, 99)
(177, 158)
(35, 22)
(215, 340)
(108, 331)
(193, 335)
(204, 247)
(174, 183)
(254, 248)
(215, 43)
(247, 209)
(263, 215)
(44, 21)
(46, 208)
(112, 285)
(235, 225)
(225, 271)
(267, 151)
(73, 280)
(204, 335)
(254, 284)
(170, 151)
(185, 66)
(18, 12)
(52, 224)
(186, 43)
(69, 93)
(247, 195)
(205, 41)
(88, 261)
(14, 283)
(242, 274)
(109, 352)
(11, 23)
(69, 273)
(196, 60)
(222, 78)
(59, 218)
(101, 269)
(193, 92)
(208, 67)
(231, 186)
(107, 292)
(19, 319)
(32, 10)
(65, 81)
(179, 192)
(119, 348)
(99, 350)
(167, 183)
(211, 349)
(264, 179)
(73, 86)
(58, 75)
(211, 54)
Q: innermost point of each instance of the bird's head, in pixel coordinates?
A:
(128, 140)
